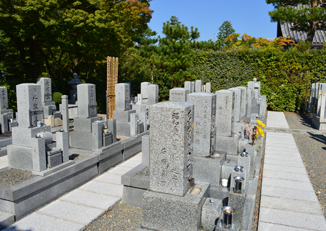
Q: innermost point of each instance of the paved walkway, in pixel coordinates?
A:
(288, 200)
(78, 208)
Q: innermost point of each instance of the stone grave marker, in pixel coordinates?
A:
(204, 120)
(170, 155)
(179, 94)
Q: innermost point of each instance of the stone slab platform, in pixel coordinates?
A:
(78, 208)
(288, 201)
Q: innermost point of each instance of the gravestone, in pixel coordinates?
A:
(224, 117)
(248, 101)
(226, 140)
(188, 85)
(29, 105)
(6, 115)
(123, 110)
(32, 143)
(133, 124)
(145, 150)
(88, 127)
(122, 97)
(170, 157)
(236, 103)
(179, 94)
(208, 87)
(262, 107)
(152, 94)
(204, 120)
(46, 93)
(144, 89)
(199, 86)
(243, 99)
(86, 94)
(171, 191)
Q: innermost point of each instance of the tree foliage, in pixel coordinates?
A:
(165, 60)
(57, 37)
(225, 30)
(304, 15)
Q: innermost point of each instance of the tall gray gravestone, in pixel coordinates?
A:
(29, 104)
(88, 127)
(122, 97)
(188, 85)
(144, 89)
(86, 94)
(46, 93)
(243, 100)
(207, 165)
(123, 111)
(152, 94)
(224, 116)
(31, 147)
(179, 94)
(170, 157)
(204, 120)
(171, 184)
(249, 102)
(236, 103)
(5, 114)
(226, 139)
(208, 87)
(199, 86)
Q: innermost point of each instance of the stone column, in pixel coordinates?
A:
(65, 113)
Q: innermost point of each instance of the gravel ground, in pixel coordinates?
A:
(312, 148)
(121, 217)
(15, 176)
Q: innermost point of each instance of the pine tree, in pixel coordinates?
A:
(174, 52)
(225, 30)
(304, 15)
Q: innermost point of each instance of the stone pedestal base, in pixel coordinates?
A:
(209, 169)
(169, 212)
(237, 201)
(228, 144)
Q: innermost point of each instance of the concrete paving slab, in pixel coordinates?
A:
(137, 157)
(280, 144)
(41, 222)
(285, 169)
(103, 188)
(119, 170)
(282, 153)
(91, 199)
(305, 186)
(4, 160)
(274, 227)
(287, 176)
(130, 164)
(288, 193)
(284, 136)
(294, 219)
(282, 162)
(73, 212)
(291, 205)
(109, 178)
(281, 149)
(285, 158)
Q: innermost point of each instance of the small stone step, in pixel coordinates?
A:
(6, 219)
(3, 151)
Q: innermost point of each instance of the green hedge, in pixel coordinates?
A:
(285, 76)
